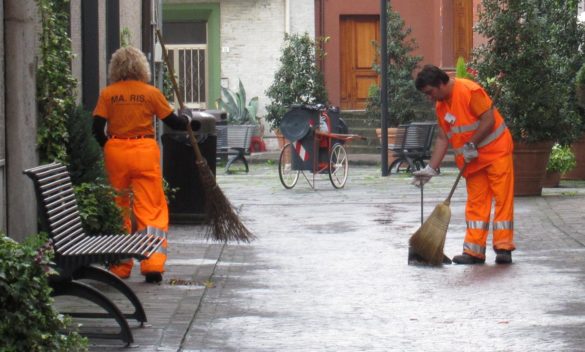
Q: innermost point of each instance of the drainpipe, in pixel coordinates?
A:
(287, 16)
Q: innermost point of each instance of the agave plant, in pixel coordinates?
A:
(234, 103)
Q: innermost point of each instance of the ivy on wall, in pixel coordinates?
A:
(55, 82)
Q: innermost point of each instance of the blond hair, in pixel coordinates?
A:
(129, 63)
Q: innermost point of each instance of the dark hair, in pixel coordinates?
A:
(430, 75)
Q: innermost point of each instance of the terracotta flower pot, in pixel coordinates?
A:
(530, 160)
(391, 140)
(551, 179)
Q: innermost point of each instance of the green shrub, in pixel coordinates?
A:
(85, 154)
(561, 159)
(536, 44)
(580, 78)
(298, 80)
(55, 83)
(461, 69)
(99, 214)
(28, 321)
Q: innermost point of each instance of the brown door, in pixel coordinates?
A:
(462, 28)
(357, 56)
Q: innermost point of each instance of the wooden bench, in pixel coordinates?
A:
(413, 146)
(76, 252)
(234, 141)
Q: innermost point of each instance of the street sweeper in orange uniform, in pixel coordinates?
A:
(132, 156)
(479, 137)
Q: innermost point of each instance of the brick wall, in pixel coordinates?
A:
(252, 31)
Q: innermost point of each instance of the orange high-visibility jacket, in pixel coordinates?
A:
(459, 124)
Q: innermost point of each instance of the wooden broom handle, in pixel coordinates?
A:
(198, 155)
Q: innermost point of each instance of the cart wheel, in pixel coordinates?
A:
(288, 176)
(338, 166)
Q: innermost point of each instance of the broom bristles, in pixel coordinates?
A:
(223, 223)
(429, 240)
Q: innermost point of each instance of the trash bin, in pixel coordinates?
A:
(187, 206)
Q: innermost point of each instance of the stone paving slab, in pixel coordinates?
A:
(328, 273)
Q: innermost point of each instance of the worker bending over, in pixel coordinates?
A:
(479, 137)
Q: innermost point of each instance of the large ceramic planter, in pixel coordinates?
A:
(391, 140)
(530, 160)
(578, 173)
(551, 179)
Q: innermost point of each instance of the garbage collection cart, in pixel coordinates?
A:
(316, 135)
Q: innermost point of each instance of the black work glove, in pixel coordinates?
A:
(187, 115)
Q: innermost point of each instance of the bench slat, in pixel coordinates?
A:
(67, 238)
(82, 243)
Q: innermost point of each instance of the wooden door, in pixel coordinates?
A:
(462, 29)
(357, 34)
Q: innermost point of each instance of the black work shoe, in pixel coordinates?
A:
(153, 278)
(467, 259)
(503, 256)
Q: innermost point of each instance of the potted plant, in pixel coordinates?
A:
(536, 45)
(240, 112)
(406, 104)
(578, 147)
(561, 161)
(298, 79)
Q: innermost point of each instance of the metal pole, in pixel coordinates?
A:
(384, 82)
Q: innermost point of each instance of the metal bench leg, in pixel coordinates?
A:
(234, 158)
(245, 163)
(411, 164)
(106, 277)
(85, 291)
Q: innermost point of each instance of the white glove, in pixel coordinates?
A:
(469, 152)
(423, 176)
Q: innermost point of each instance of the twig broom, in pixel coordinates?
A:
(429, 240)
(223, 223)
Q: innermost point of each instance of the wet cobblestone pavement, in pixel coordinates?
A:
(329, 272)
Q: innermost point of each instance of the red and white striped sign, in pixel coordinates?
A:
(302, 152)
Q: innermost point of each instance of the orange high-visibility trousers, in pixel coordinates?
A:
(494, 182)
(133, 167)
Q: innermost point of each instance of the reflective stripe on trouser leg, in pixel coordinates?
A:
(501, 176)
(156, 262)
(123, 269)
(477, 214)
